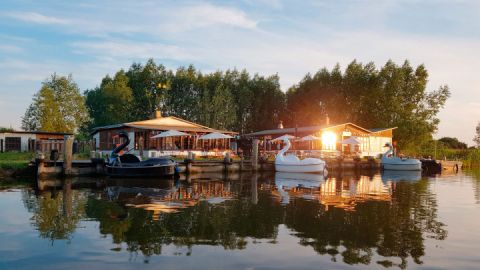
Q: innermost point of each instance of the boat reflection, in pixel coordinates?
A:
(340, 191)
(171, 198)
(395, 176)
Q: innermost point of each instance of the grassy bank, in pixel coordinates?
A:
(469, 157)
(15, 161)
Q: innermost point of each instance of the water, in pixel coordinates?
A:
(282, 221)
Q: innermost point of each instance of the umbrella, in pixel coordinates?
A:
(214, 135)
(170, 133)
(351, 141)
(283, 137)
(310, 138)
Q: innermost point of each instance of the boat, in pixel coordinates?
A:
(291, 163)
(391, 162)
(129, 165)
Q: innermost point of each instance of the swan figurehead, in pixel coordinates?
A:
(389, 151)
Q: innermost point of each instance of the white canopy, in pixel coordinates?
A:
(214, 135)
(351, 141)
(283, 137)
(170, 133)
(310, 138)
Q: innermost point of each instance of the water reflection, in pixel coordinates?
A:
(355, 219)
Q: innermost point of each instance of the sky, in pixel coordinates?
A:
(90, 39)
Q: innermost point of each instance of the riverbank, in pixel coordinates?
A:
(13, 163)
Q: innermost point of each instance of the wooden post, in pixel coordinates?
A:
(68, 155)
(255, 155)
(40, 162)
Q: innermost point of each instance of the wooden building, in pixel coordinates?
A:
(23, 141)
(140, 134)
(371, 142)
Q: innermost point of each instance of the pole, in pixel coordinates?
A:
(255, 154)
(68, 155)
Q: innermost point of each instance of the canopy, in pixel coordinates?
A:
(214, 135)
(283, 137)
(310, 138)
(170, 133)
(351, 141)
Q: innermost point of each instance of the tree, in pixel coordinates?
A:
(110, 103)
(453, 143)
(476, 139)
(392, 96)
(57, 107)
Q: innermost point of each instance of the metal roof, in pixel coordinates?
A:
(37, 132)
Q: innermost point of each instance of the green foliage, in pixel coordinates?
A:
(230, 100)
(110, 103)
(4, 129)
(393, 96)
(57, 107)
(453, 143)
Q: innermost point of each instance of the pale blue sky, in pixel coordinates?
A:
(94, 38)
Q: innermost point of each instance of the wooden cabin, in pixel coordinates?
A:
(140, 134)
(371, 141)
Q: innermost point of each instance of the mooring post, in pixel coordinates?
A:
(40, 162)
(188, 162)
(226, 162)
(68, 155)
(255, 154)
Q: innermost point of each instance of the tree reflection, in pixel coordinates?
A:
(392, 229)
(393, 226)
(56, 213)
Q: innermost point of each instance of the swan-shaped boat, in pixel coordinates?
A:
(291, 163)
(128, 165)
(390, 162)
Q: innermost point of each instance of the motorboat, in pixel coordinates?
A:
(291, 163)
(129, 165)
(390, 162)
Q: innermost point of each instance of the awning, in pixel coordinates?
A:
(170, 133)
(214, 136)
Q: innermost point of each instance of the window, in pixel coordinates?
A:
(13, 144)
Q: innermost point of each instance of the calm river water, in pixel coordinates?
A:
(273, 221)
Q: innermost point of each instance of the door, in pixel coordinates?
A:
(13, 144)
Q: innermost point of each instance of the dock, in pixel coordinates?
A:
(96, 166)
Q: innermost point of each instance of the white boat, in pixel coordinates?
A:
(391, 162)
(291, 163)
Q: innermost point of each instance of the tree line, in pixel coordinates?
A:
(390, 96)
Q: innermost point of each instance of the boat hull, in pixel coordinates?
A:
(312, 168)
(402, 167)
(141, 171)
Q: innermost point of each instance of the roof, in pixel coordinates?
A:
(37, 132)
(374, 130)
(164, 123)
(306, 129)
